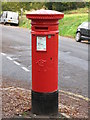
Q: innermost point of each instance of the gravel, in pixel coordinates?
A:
(16, 101)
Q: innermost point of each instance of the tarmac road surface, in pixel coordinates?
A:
(72, 66)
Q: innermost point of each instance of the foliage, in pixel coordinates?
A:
(78, 10)
(59, 6)
(62, 6)
(16, 6)
(24, 22)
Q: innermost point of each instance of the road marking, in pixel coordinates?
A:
(75, 95)
(3, 54)
(71, 97)
(16, 63)
(9, 58)
(25, 69)
(74, 98)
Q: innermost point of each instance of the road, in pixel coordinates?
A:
(72, 66)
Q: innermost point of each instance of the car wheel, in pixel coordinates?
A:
(4, 22)
(11, 24)
(78, 37)
(17, 24)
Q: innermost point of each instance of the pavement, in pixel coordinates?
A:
(72, 66)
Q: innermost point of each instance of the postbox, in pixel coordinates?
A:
(44, 35)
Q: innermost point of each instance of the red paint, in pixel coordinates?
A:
(45, 63)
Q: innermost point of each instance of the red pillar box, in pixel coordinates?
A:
(44, 31)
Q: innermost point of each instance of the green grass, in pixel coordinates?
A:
(77, 11)
(24, 22)
(68, 25)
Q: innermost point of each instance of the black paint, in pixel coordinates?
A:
(45, 103)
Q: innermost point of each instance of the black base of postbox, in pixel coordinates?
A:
(45, 103)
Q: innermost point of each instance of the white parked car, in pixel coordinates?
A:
(9, 17)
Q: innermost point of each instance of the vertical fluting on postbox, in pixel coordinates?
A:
(44, 32)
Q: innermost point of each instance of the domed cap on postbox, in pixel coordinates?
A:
(45, 14)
